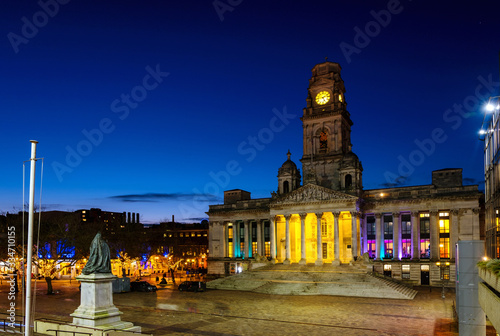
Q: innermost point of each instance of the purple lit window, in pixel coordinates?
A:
(406, 248)
(371, 248)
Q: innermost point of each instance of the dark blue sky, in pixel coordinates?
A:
(150, 106)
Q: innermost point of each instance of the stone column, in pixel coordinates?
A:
(434, 228)
(236, 239)
(302, 238)
(272, 237)
(379, 247)
(396, 236)
(415, 235)
(260, 240)
(248, 239)
(287, 241)
(354, 234)
(319, 241)
(362, 234)
(455, 215)
(336, 239)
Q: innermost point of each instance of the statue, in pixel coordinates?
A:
(99, 260)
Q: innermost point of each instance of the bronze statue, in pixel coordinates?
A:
(99, 260)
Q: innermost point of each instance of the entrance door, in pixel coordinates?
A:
(424, 275)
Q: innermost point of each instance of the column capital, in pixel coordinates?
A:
(415, 213)
(476, 211)
(355, 213)
(336, 213)
(433, 212)
(456, 212)
(272, 219)
(319, 214)
(378, 215)
(287, 216)
(396, 214)
(303, 215)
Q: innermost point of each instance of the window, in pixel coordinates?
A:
(405, 271)
(267, 249)
(323, 140)
(425, 249)
(406, 246)
(388, 248)
(324, 228)
(230, 231)
(406, 225)
(181, 234)
(444, 235)
(388, 226)
(348, 181)
(230, 249)
(444, 247)
(242, 249)
(286, 187)
(370, 227)
(371, 248)
(424, 224)
(325, 250)
(254, 248)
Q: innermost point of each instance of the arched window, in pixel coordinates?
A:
(348, 181)
(286, 187)
(323, 140)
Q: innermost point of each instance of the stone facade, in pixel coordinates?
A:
(408, 232)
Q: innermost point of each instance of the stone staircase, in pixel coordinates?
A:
(344, 280)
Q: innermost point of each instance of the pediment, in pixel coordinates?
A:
(313, 193)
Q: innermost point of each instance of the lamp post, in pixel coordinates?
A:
(444, 276)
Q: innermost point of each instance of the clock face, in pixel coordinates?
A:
(323, 97)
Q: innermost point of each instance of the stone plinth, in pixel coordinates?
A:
(96, 304)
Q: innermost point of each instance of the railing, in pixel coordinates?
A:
(12, 326)
(70, 332)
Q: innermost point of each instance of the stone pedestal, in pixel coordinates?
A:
(96, 304)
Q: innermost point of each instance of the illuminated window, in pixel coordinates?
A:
(387, 267)
(198, 234)
(425, 248)
(254, 248)
(444, 226)
(446, 273)
(230, 249)
(325, 250)
(388, 248)
(444, 247)
(406, 246)
(242, 249)
(324, 228)
(405, 271)
(267, 249)
(371, 248)
(192, 234)
(340, 98)
(181, 234)
(230, 232)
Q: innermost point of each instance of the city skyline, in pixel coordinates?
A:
(158, 108)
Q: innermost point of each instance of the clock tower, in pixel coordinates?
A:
(328, 160)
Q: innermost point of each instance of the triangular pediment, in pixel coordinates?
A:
(313, 193)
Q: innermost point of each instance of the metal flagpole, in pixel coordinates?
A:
(27, 314)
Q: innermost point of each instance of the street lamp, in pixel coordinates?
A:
(493, 109)
(444, 276)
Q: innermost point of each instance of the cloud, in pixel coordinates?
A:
(158, 197)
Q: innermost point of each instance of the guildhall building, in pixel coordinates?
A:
(407, 233)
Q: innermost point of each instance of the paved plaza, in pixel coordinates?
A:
(220, 312)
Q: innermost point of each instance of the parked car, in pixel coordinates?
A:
(193, 286)
(142, 286)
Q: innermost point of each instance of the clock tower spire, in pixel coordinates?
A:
(328, 160)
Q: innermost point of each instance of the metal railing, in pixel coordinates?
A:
(7, 325)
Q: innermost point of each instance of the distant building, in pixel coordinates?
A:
(491, 138)
(406, 231)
